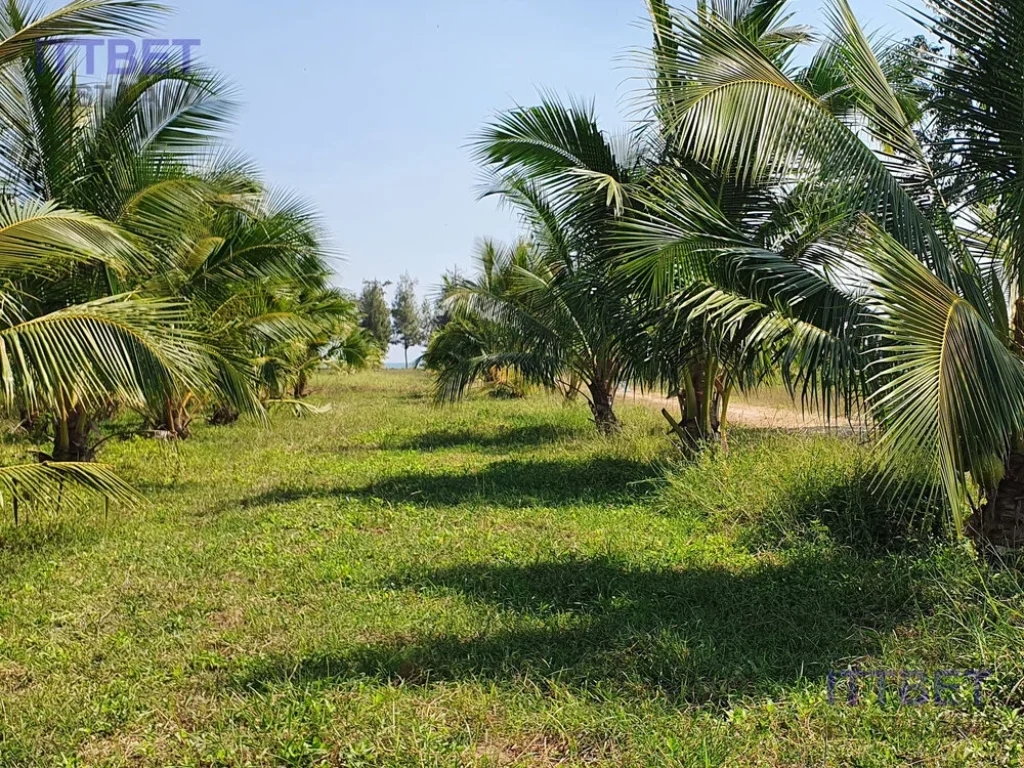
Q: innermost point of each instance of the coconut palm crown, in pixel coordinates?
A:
(912, 149)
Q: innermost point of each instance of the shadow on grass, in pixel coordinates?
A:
(774, 491)
(508, 483)
(863, 515)
(498, 437)
(703, 635)
(40, 537)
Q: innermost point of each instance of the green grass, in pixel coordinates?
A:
(394, 584)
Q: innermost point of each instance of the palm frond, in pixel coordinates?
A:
(123, 347)
(938, 361)
(21, 30)
(62, 486)
(44, 240)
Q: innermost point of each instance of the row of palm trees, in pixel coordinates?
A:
(142, 266)
(849, 221)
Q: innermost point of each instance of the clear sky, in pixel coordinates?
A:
(365, 107)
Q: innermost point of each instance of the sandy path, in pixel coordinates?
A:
(744, 414)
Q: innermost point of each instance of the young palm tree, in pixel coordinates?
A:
(75, 359)
(330, 336)
(72, 354)
(702, 351)
(535, 313)
(466, 346)
(124, 160)
(552, 299)
(118, 246)
(481, 339)
(253, 269)
(139, 156)
(910, 297)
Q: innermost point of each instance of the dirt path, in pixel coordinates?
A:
(745, 414)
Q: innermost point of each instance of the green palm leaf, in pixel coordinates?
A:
(744, 117)
(62, 486)
(21, 29)
(44, 240)
(123, 347)
(947, 388)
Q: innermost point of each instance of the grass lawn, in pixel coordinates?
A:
(491, 584)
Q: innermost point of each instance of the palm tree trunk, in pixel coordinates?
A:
(723, 416)
(30, 420)
(602, 405)
(687, 401)
(300, 385)
(72, 431)
(176, 422)
(1018, 322)
(701, 405)
(1000, 521)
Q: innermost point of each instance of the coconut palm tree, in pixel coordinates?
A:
(701, 349)
(133, 270)
(910, 299)
(327, 335)
(71, 354)
(482, 338)
(140, 157)
(253, 269)
(539, 312)
(467, 345)
(551, 299)
(83, 355)
(124, 159)
(338, 342)
(77, 358)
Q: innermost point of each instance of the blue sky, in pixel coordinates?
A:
(364, 108)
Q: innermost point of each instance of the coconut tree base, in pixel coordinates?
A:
(607, 422)
(602, 405)
(1000, 522)
(688, 437)
(223, 415)
(175, 423)
(299, 390)
(72, 440)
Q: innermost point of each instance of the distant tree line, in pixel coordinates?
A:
(408, 321)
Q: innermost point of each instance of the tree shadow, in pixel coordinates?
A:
(866, 515)
(501, 437)
(700, 635)
(512, 482)
(41, 537)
